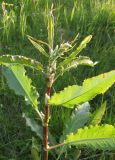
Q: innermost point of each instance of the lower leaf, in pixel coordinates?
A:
(95, 137)
(38, 129)
(77, 120)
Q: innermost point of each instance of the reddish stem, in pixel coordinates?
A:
(48, 91)
(45, 129)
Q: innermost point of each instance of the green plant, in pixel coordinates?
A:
(71, 97)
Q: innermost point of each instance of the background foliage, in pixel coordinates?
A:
(21, 17)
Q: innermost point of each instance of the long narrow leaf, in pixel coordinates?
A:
(75, 95)
(51, 29)
(16, 59)
(94, 137)
(36, 44)
(77, 51)
(81, 60)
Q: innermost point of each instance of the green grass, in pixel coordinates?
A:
(29, 17)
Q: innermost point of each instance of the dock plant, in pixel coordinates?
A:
(60, 59)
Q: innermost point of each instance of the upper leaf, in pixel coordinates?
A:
(75, 95)
(51, 28)
(95, 137)
(64, 47)
(21, 84)
(77, 51)
(16, 59)
(36, 44)
(81, 60)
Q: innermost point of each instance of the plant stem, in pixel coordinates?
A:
(46, 119)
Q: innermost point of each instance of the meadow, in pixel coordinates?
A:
(19, 18)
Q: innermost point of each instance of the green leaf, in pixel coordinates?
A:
(81, 60)
(76, 52)
(21, 60)
(38, 129)
(77, 120)
(75, 95)
(36, 44)
(51, 28)
(94, 137)
(21, 84)
(30, 122)
(98, 114)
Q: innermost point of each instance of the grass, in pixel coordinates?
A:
(83, 17)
